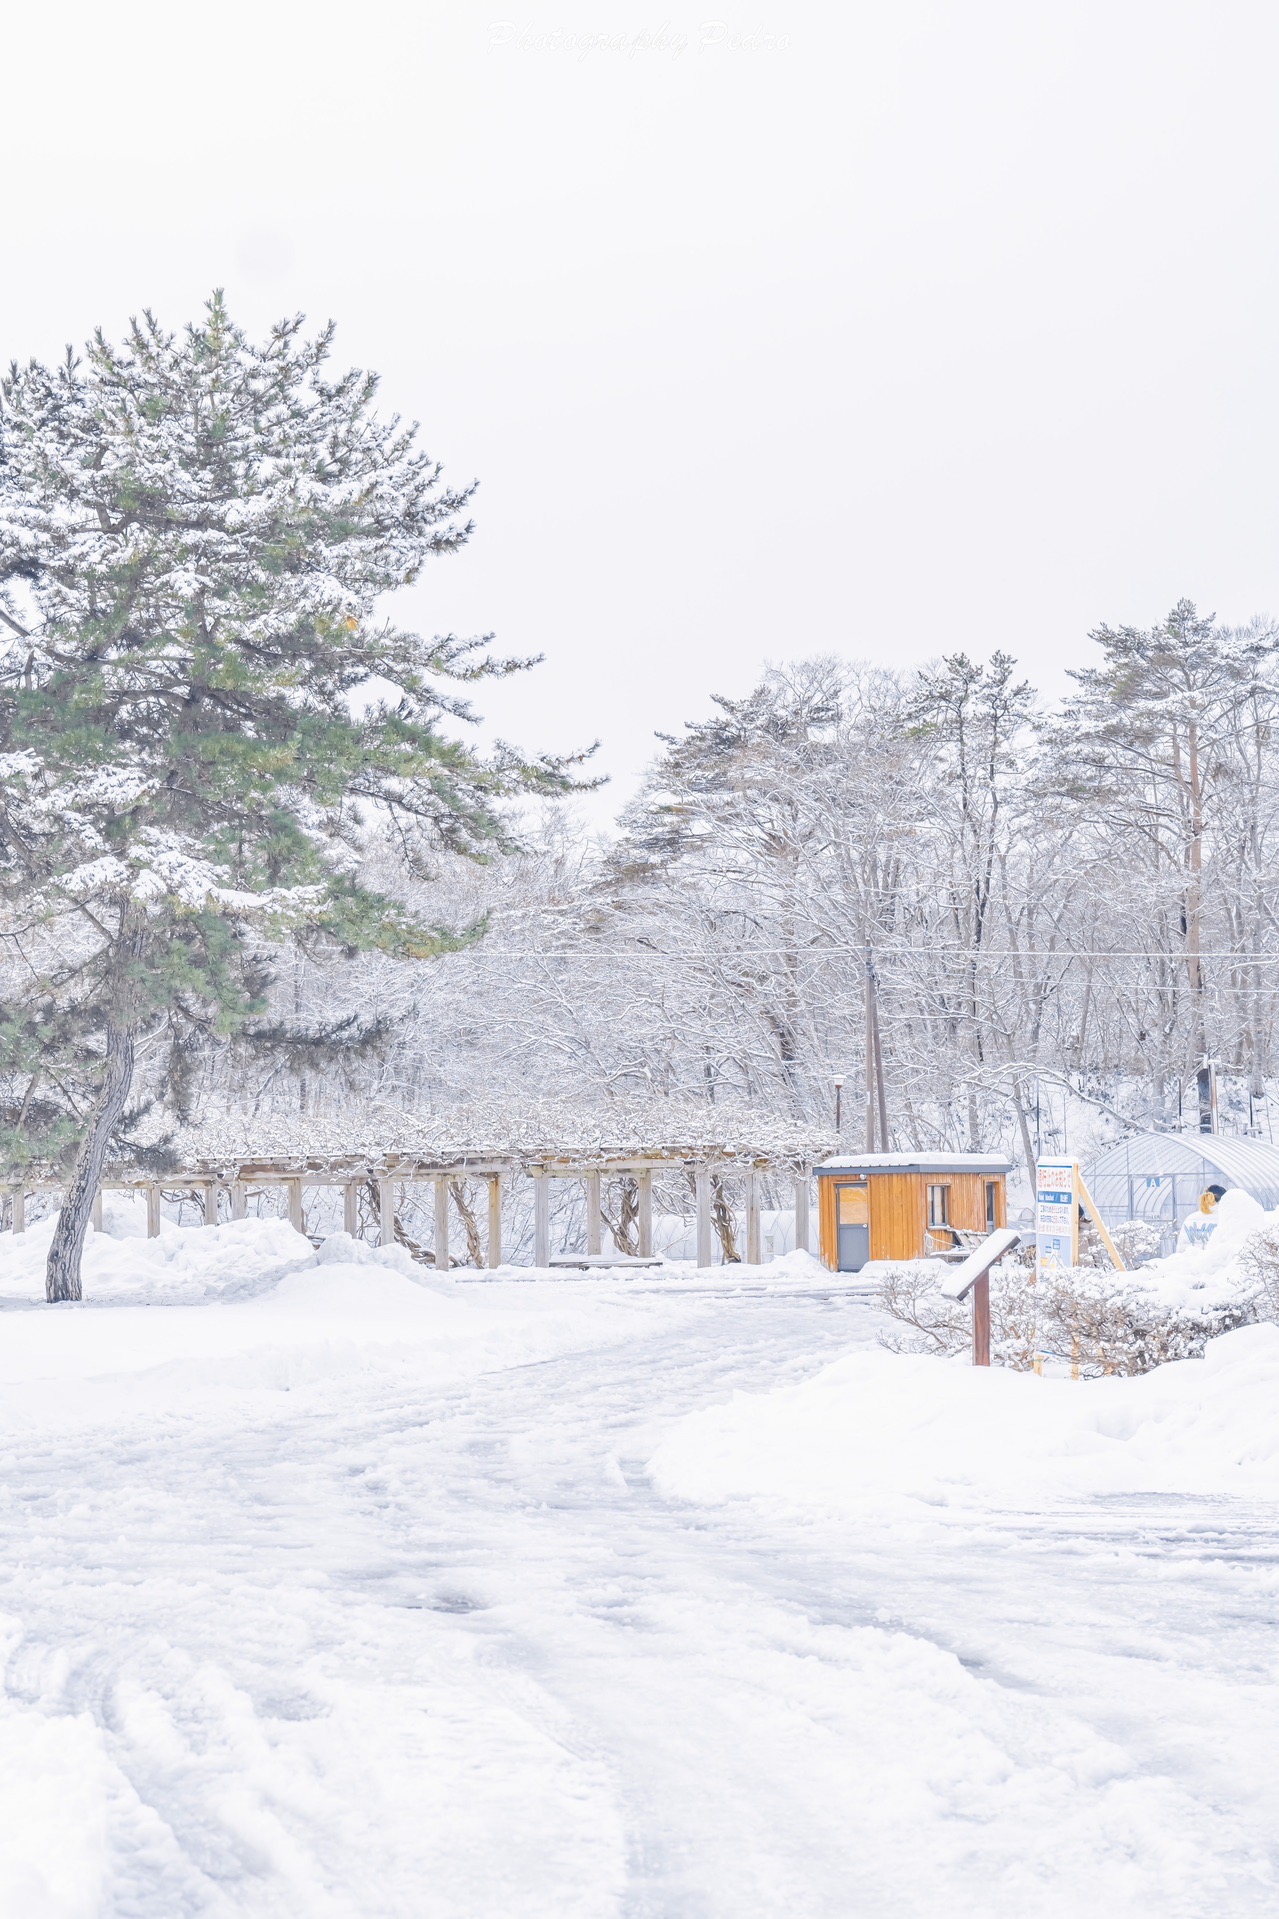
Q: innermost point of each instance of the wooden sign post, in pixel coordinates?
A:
(974, 1277)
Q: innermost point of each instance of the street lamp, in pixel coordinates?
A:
(839, 1103)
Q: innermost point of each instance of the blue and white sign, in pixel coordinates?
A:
(1056, 1215)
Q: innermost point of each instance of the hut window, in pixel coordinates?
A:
(853, 1209)
(939, 1206)
(992, 1205)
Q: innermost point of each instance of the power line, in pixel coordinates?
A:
(966, 953)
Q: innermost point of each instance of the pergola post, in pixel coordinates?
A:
(386, 1212)
(441, 1225)
(541, 1219)
(494, 1246)
(593, 1215)
(153, 1209)
(19, 1209)
(702, 1188)
(754, 1235)
(239, 1200)
(293, 1191)
(97, 1209)
(211, 1192)
(803, 1186)
(351, 1207)
(645, 1182)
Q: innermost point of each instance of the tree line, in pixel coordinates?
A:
(1069, 909)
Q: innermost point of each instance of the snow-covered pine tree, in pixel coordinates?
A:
(195, 533)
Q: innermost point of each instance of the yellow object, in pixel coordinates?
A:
(1208, 1202)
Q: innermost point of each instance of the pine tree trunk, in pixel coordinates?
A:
(62, 1273)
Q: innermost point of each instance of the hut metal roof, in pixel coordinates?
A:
(916, 1163)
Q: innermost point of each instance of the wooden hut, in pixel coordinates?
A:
(906, 1205)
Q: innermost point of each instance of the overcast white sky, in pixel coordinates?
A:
(936, 326)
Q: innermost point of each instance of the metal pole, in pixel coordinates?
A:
(879, 1055)
(870, 1063)
(839, 1104)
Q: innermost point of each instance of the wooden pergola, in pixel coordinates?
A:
(223, 1180)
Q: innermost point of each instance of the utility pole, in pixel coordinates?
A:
(875, 1094)
(870, 1057)
(879, 1055)
(1208, 1116)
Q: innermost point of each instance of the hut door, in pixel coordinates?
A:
(852, 1214)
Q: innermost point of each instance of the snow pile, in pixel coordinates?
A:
(184, 1265)
(1208, 1276)
(878, 1423)
(189, 1265)
(789, 1272)
(251, 1305)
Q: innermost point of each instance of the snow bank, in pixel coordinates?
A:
(789, 1272)
(252, 1305)
(1208, 1275)
(184, 1265)
(883, 1423)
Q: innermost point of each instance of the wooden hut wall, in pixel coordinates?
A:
(899, 1209)
(827, 1233)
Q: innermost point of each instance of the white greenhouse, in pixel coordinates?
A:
(1158, 1177)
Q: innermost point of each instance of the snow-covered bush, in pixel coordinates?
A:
(1104, 1321)
(1107, 1323)
(931, 1323)
(1138, 1240)
(1258, 1264)
(911, 1294)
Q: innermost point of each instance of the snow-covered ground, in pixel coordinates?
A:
(327, 1589)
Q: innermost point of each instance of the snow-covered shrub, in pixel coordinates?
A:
(932, 1323)
(1138, 1240)
(912, 1295)
(1104, 1321)
(1107, 1323)
(1258, 1265)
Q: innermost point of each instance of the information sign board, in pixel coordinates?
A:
(1056, 1215)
